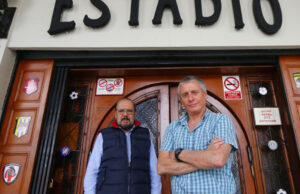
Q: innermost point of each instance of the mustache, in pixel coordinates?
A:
(125, 118)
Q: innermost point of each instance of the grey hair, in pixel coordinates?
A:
(188, 79)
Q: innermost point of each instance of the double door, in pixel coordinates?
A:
(158, 105)
(155, 93)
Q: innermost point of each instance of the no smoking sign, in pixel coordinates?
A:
(110, 86)
(232, 87)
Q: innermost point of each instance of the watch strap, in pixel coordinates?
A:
(177, 152)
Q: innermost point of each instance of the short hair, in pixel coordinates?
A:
(134, 106)
(191, 78)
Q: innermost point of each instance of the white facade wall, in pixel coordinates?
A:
(7, 61)
(34, 18)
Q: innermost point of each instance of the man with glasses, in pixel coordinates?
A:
(198, 147)
(123, 159)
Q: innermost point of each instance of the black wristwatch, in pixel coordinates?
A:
(177, 152)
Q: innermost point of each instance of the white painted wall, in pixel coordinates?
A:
(34, 18)
(7, 61)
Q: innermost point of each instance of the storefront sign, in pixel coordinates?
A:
(232, 87)
(110, 86)
(10, 173)
(296, 77)
(57, 26)
(267, 116)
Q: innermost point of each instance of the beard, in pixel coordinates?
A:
(125, 123)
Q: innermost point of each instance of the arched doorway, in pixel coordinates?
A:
(158, 105)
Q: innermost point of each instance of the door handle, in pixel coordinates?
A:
(51, 183)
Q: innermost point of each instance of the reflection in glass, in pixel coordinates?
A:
(146, 113)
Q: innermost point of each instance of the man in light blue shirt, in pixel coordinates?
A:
(123, 158)
(197, 148)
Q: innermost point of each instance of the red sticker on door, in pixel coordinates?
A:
(110, 86)
(232, 87)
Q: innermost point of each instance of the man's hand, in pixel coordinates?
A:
(215, 144)
(172, 155)
(215, 156)
(167, 164)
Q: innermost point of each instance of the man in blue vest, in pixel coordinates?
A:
(198, 147)
(123, 159)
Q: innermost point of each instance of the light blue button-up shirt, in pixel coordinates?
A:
(212, 181)
(90, 179)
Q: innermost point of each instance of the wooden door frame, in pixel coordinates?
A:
(47, 139)
(218, 59)
(245, 174)
(24, 150)
(242, 69)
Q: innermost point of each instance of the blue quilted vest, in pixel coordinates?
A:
(116, 175)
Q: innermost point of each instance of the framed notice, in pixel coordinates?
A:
(267, 116)
(110, 86)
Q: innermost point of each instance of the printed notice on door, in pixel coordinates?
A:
(110, 86)
(267, 116)
(232, 88)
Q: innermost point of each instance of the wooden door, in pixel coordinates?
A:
(22, 125)
(158, 105)
(65, 175)
(290, 67)
(290, 72)
(155, 93)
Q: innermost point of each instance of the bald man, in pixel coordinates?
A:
(123, 158)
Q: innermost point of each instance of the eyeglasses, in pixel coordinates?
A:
(123, 111)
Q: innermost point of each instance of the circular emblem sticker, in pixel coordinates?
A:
(102, 83)
(11, 172)
(272, 145)
(110, 87)
(262, 91)
(65, 151)
(118, 82)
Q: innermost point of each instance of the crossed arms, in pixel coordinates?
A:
(215, 156)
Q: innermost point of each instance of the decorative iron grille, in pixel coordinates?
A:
(69, 140)
(273, 161)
